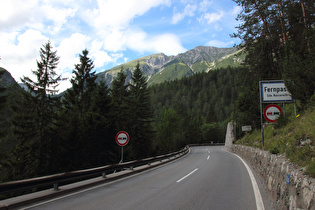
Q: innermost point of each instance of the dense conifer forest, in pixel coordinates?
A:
(195, 109)
(53, 133)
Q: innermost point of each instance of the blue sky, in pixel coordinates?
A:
(114, 31)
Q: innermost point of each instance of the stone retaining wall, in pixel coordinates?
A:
(287, 187)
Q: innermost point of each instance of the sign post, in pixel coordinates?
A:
(272, 91)
(122, 139)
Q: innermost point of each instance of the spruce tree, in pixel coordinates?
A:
(83, 83)
(142, 115)
(102, 128)
(119, 94)
(76, 113)
(35, 118)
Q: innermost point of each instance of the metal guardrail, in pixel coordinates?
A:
(70, 177)
(206, 144)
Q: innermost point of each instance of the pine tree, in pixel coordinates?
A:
(76, 115)
(299, 55)
(168, 131)
(277, 37)
(142, 115)
(35, 119)
(83, 83)
(259, 33)
(211, 116)
(100, 127)
(120, 97)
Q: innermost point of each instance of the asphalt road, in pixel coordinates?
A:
(207, 178)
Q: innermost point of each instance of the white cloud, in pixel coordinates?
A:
(218, 43)
(20, 51)
(165, 43)
(211, 17)
(119, 13)
(64, 85)
(16, 13)
(204, 5)
(69, 49)
(59, 16)
(35, 14)
(114, 40)
(168, 43)
(102, 58)
(188, 11)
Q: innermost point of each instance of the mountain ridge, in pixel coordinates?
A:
(160, 67)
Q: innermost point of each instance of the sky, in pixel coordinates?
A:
(113, 31)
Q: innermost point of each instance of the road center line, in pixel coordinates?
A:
(208, 157)
(187, 175)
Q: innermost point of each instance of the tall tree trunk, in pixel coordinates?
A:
(306, 26)
(284, 32)
(268, 34)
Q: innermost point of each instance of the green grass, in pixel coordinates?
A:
(171, 72)
(201, 66)
(234, 59)
(295, 139)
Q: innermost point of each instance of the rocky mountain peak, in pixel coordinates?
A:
(6, 80)
(158, 60)
(160, 67)
(203, 53)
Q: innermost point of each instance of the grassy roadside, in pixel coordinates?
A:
(293, 136)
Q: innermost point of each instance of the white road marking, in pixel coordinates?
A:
(187, 175)
(258, 198)
(208, 157)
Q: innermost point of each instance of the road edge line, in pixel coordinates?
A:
(258, 198)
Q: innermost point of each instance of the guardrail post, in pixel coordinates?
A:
(56, 186)
(103, 175)
(131, 168)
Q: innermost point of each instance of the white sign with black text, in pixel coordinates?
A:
(275, 91)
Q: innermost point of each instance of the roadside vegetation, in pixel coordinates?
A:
(293, 136)
(278, 40)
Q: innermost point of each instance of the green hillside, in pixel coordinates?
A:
(234, 59)
(158, 68)
(171, 72)
(293, 136)
(10, 94)
(201, 66)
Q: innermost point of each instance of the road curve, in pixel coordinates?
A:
(207, 178)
